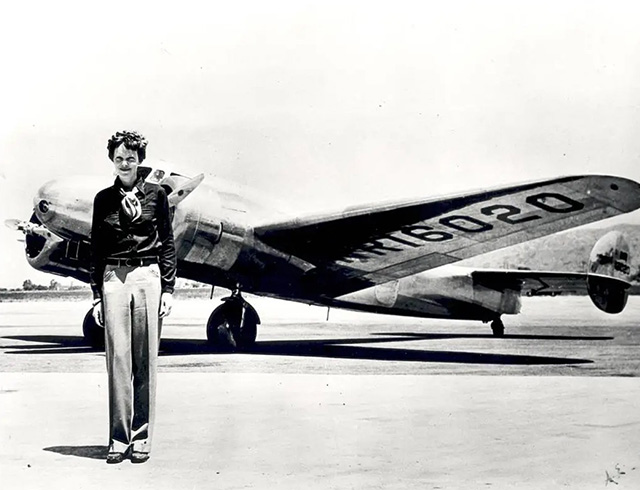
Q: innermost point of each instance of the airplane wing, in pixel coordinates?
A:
(361, 247)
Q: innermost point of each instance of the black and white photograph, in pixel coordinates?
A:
(324, 245)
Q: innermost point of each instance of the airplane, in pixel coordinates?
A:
(391, 258)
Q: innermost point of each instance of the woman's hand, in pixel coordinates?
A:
(166, 302)
(97, 313)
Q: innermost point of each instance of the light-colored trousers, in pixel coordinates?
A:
(131, 302)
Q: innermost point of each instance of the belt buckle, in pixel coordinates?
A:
(129, 262)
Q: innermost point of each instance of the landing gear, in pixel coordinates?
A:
(233, 325)
(497, 327)
(93, 333)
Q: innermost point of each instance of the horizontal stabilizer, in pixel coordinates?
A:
(606, 282)
(543, 283)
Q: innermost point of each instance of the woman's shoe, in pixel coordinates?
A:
(139, 457)
(115, 458)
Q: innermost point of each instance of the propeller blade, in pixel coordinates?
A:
(14, 224)
(27, 227)
(181, 192)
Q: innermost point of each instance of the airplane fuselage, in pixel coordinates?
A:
(215, 244)
(225, 236)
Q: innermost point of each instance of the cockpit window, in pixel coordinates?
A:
(156, 176)
(164, 177)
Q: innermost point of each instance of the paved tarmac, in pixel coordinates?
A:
(361, 401)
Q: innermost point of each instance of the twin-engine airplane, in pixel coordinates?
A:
(385, 258)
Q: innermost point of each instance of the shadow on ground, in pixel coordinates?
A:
(341, 348)
(91, 452)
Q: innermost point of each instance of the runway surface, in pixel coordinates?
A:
(553, 336)
(360, 401)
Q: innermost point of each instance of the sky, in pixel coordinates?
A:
(321, 104)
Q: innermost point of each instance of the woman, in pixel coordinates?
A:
(133, 270)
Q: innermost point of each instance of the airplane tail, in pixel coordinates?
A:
(609, 273)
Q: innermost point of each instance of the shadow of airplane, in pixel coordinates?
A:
(91, 452)
(63, 344)
(338, 350)
(444, 336)
(341, 348)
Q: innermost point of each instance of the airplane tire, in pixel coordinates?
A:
(249, 333)
(93, 333)
(497, 327)
(219, 331)
(223, 329)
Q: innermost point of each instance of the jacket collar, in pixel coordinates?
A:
(138, 184)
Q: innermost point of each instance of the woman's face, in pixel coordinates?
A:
(126, 163)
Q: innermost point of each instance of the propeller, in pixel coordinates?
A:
(27, 227)
(14, 224)
(181, 192)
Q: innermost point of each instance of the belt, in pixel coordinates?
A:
(131, 261)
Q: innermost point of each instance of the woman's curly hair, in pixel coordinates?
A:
(132, 140)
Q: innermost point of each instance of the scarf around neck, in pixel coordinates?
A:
(131, 204)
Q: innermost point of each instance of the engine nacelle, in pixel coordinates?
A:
(48, 252)
(609, 272)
